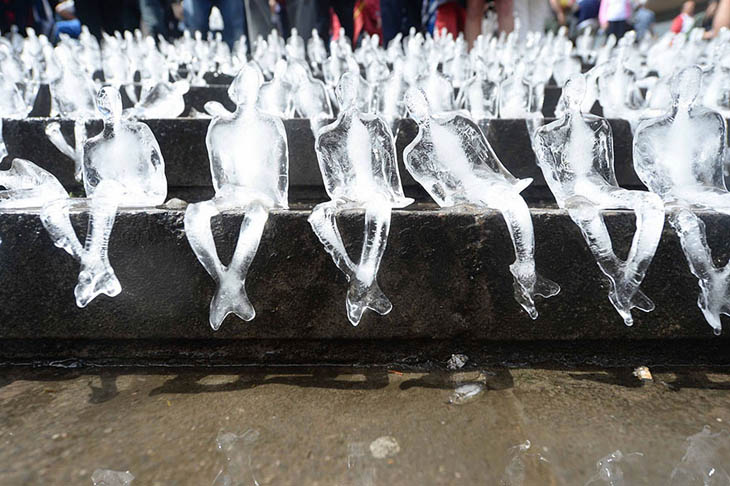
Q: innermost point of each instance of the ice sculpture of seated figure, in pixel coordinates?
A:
(249, 165)
(452, 160)
(358, 162)
(575, 153)
(679, 156)
(122, 166)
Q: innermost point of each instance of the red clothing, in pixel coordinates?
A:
(452, 16)
(367, 18)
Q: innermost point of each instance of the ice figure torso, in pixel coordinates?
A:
(127, 154)
(670, 160)
(580, 156)
(248, 160)
(357, 159)
(451, 160)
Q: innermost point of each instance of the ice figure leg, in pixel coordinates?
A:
(714, 298)
(624, 277)
(96, 275)
(362, 294)
(324, 224)
(230, 296)
(527, 283)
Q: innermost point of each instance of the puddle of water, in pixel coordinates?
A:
(237, 450)
(619, 469)
(526, 466)
(706, 461)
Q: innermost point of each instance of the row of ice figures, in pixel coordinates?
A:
(678, 155)
(501, 76)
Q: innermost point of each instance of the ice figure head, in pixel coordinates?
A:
(346, 90)
(574, 92)
(109, 104)
(417, 104)
(244, 89)
(685, 86)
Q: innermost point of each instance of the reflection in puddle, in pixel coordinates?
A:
(107, 477)
(706, 460)
(525, 466)
(238, 450)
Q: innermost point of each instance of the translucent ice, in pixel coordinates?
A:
(705, 461)
(526, 466)
(680, 157)
(107, 477)
(618, 469)
(479, 95)
(451, 158)
(275, 97)
(27, 185)
(238, 450)
(249, 164)
(122, 166)
(160, 100)
(310, 96)
(575, 153)
(358, 162)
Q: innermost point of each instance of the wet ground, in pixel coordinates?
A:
(330, 426)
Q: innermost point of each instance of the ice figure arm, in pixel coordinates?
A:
(53, 132)
(216, 109)
(280, 155)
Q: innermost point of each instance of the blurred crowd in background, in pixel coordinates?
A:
(387, 18)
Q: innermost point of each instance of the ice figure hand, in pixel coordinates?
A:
(230, 296)
(96, 275)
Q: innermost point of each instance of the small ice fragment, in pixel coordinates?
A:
(643, 374)
(237, 449)
(619, 469)
(466, 393)
(385, 446)
(107, 477)
(457, 361)
(525, 466)
(705, 461)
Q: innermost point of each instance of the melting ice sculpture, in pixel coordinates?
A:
(358, 162)
(27, 186)
(575, 153)
(310, 96)
(249, 164)
(238, 451)
(451, 158)
(275, 97)
(618, 469)
(160, 100)
(680, 157)
(705, 461)
(122, 166)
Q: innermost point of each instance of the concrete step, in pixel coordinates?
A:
(446, 273)
(182, 142)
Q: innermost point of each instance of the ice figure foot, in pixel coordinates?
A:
(95, 280)
(528, 285)
(230, 299)
(360, 298)
(713, 289)
(626, 297)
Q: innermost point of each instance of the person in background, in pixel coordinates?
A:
(562, 9)
(444, 14)
(475, 13)
(306, 15)
(720, 19)
(67, 22)
(685, 20)
(366, 18)
(533, 15)
(197, 12)
(158, 18)
(587, 14)
(614, 15)
(107, 15)
(398, 16)
(644, 20)
(704, 19)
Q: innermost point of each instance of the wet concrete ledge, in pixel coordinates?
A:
(446, 273)
(182, 142)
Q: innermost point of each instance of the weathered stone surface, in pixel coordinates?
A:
(445, 272)
(182, 141)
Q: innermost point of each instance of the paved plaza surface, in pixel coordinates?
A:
(345, 426)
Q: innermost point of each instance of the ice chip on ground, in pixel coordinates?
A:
(465, 393)
(705, 461)
(107, 477)
(357, 158)
(238, 451)
(249, 165)
(680, 156)
(575, 153)
(122, 166)
(526, 466)
(451, 158)
(385, 446)
(619, 469)
(457, 361)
